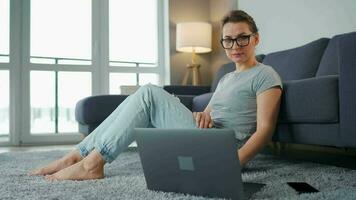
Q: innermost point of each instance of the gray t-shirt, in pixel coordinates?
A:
(234, 103)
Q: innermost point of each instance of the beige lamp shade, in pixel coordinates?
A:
(193, 37)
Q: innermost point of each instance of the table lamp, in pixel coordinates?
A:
(193, 37)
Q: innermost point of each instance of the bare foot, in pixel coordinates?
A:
(91, 167)
(66, 161)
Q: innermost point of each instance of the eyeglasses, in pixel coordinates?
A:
(241, 41)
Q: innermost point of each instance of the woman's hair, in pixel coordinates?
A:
(236, 16)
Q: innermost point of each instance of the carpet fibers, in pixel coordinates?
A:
(125, 180)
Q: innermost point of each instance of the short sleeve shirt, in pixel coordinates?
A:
(234, 102)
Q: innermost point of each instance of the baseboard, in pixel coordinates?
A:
(341, 157)
(280, 146)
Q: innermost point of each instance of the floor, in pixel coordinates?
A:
(36, 148)
(45, 148)
(324, 155)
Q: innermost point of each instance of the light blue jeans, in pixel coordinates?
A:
(149, 106)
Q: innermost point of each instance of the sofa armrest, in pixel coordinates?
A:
(186, 89)
(95, 109)
(311, 100)
(347, 90)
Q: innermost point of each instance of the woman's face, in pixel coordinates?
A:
(240, 32)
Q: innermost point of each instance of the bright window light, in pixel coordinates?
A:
(4, 102)
(4, 31)
(72, 87)
(145, 78)
(42, 90)
(61, 29)
(121, 79)
(132, 32)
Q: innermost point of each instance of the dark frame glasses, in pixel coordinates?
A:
(240, 41)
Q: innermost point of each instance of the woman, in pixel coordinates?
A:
(246, 100)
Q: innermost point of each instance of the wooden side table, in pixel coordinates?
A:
(194, 70)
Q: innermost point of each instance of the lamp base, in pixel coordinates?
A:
(194, 69)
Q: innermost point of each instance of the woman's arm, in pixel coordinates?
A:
(267, 112)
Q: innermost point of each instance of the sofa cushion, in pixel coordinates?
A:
(313, 100)
(308, 133)
(200, 102)
(329, 62)
(298, 63)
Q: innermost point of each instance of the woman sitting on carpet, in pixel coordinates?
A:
(246, 100)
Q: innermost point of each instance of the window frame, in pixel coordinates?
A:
(20, 66)
(6, 139)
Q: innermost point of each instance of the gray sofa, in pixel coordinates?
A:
(318, 103)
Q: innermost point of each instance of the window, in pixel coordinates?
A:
(148, 78)
(72, 87)
(60, 38)
(130, 79)
(53, 99)
(42, 90)
(4, 102)
(4, 67)
(133, 33)
(63, 51)
(61, 32)
(4, 33)
(133, 42)
(119, 79)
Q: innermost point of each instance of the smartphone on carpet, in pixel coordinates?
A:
(302, 187)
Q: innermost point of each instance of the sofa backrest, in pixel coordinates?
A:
(329, 64)
(298, 63)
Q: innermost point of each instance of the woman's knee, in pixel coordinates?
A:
(149, 88)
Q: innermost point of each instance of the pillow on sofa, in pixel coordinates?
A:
(298, 63)
(200, 102)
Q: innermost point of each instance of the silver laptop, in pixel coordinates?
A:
(200, 162)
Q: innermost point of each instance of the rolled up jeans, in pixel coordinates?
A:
(149, 106)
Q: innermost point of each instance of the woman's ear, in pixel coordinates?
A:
(257, 39)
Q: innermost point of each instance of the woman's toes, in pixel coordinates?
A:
(50, 178)
(35, 172)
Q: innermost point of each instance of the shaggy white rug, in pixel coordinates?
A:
(125, 180)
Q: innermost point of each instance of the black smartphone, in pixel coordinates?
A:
(302, 187)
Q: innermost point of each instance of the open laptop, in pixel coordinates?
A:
(200, 162)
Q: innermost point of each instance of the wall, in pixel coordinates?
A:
(218, 8)
(186, 11)
(287, 24)
(197, 10)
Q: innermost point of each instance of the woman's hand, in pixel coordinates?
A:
(203, 119)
